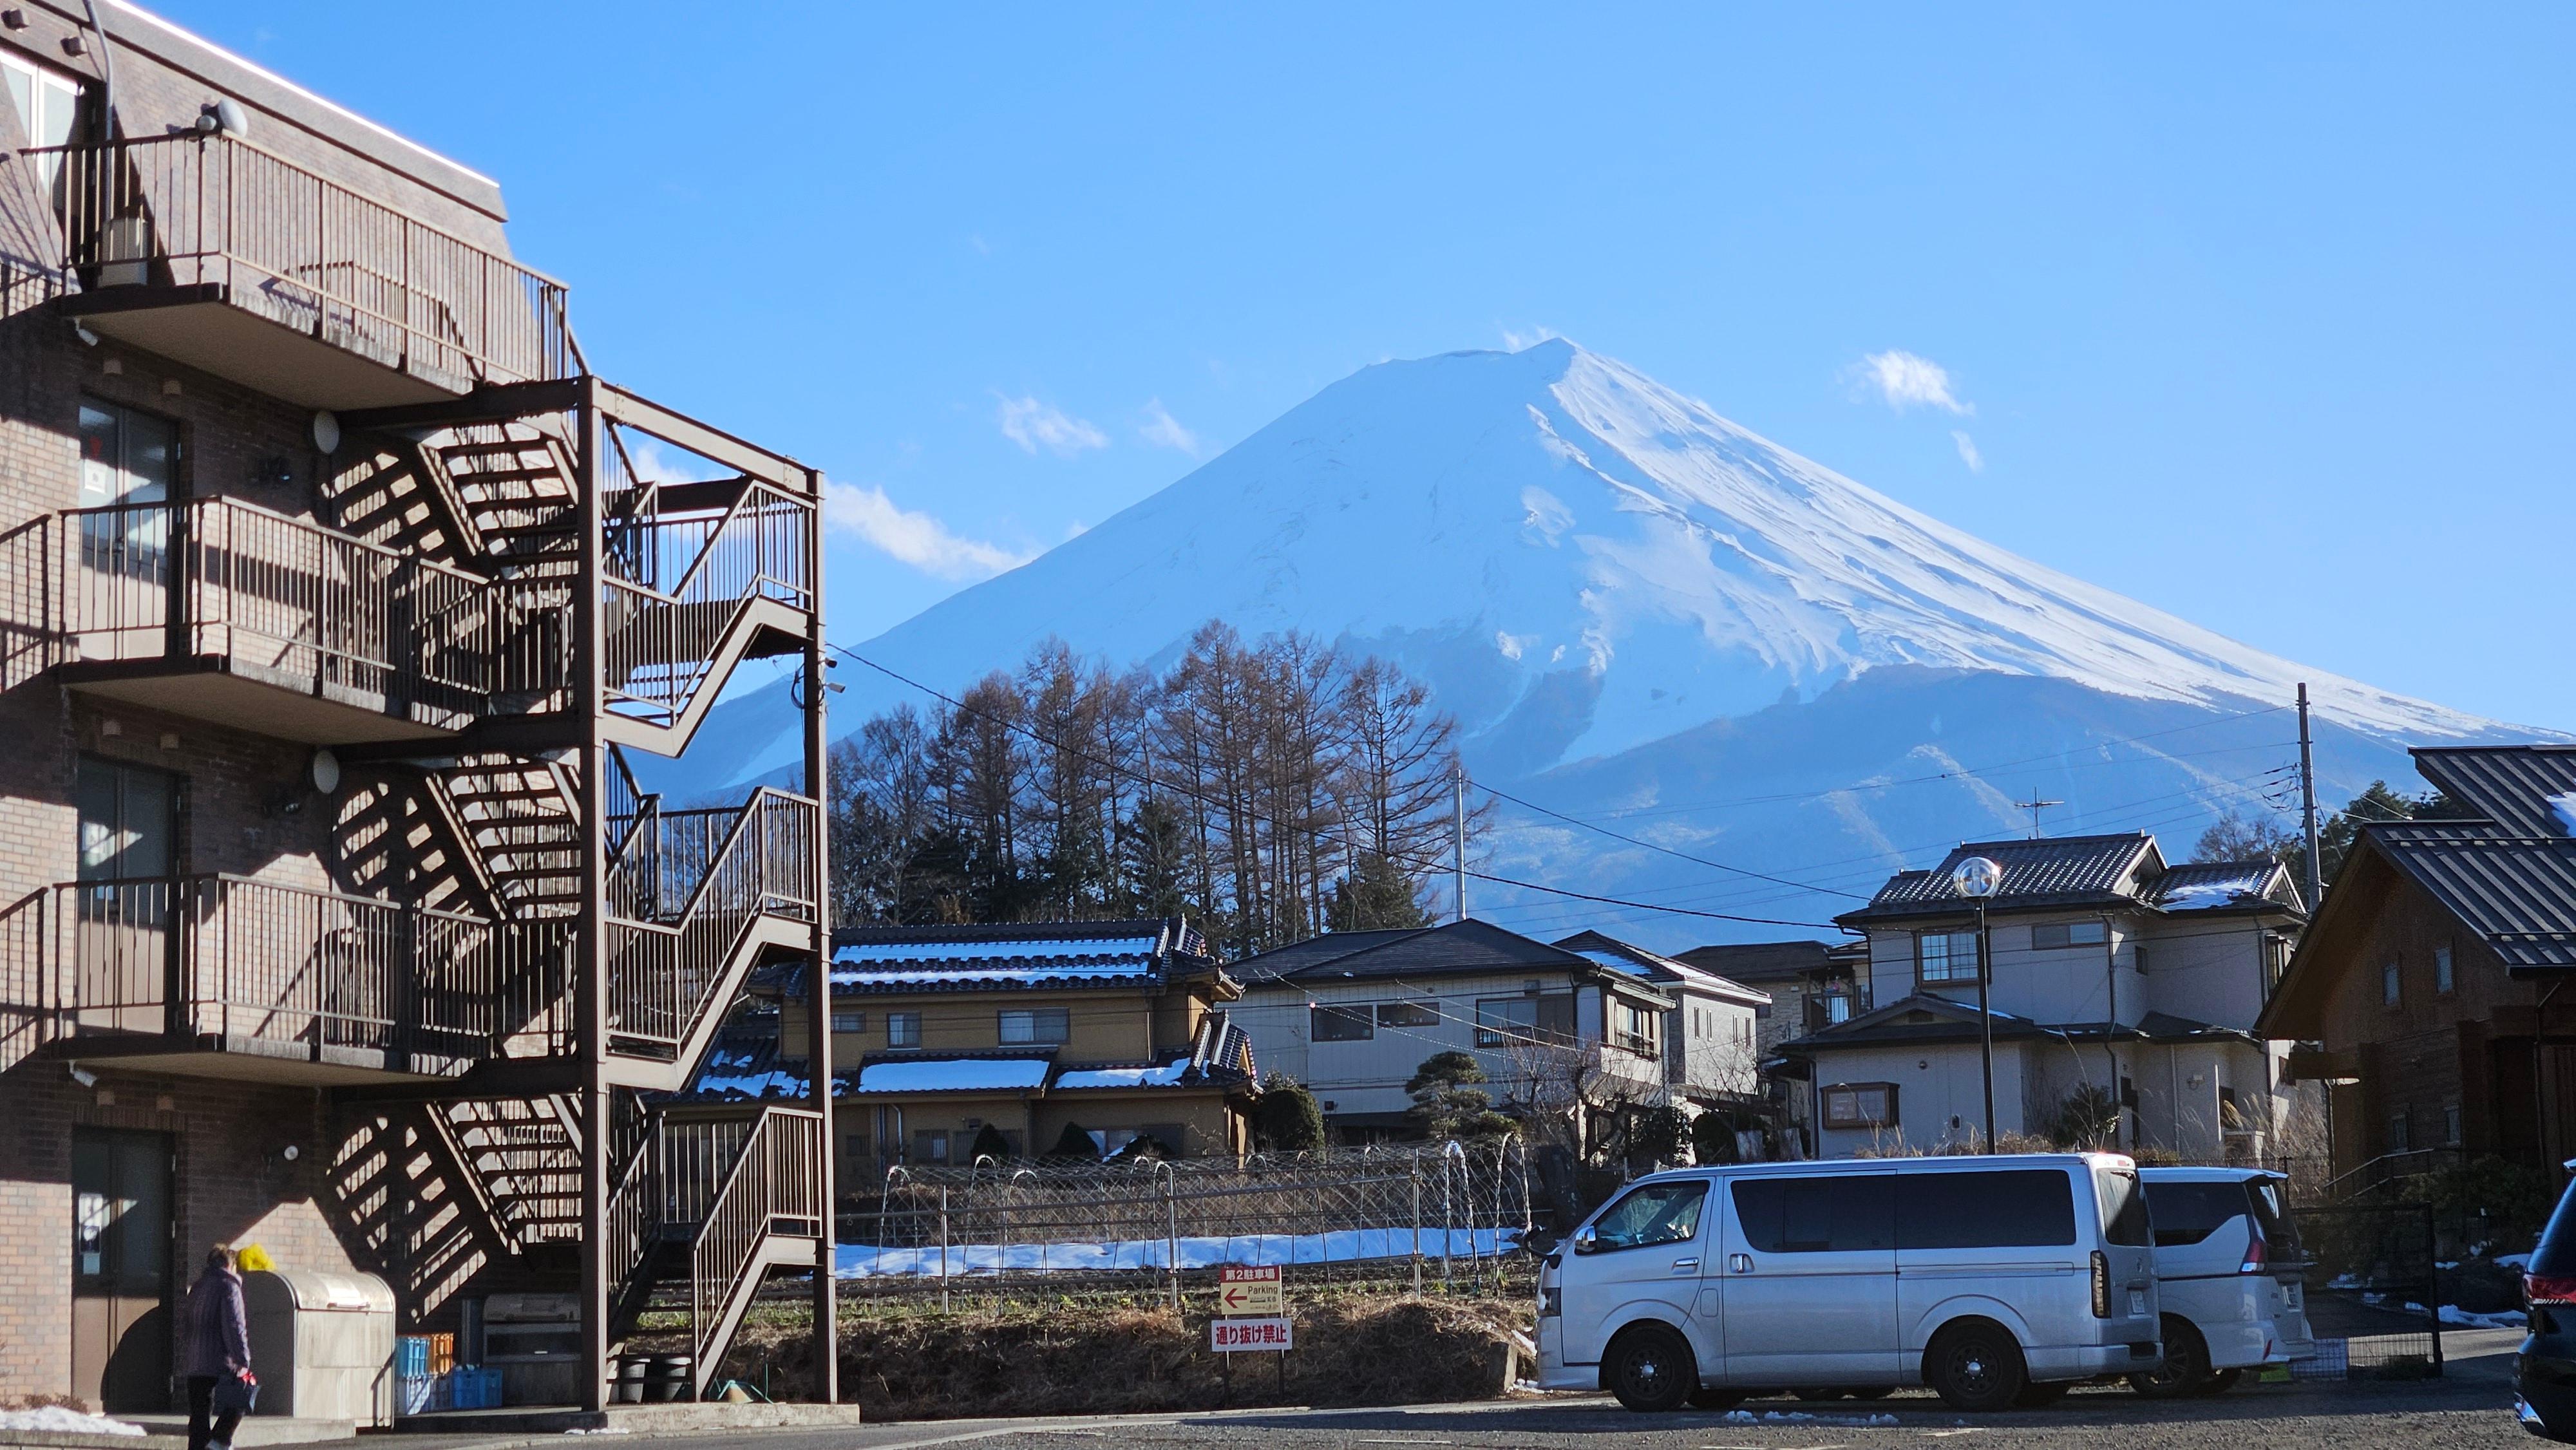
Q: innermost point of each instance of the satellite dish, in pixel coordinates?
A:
(1977, 878)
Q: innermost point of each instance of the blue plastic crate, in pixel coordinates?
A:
(418, 1394)
(411, 1356)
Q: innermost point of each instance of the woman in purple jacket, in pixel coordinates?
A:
(216, 1349)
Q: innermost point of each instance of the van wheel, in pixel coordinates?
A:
(1711, 1399)
(1874, 1392)
(1650, 1369)
(1975, 1365)
(1811, 1395)
(2186, 1367)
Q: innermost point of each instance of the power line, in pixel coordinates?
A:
(1667, 850)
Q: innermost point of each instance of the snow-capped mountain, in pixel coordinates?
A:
(1616, 590)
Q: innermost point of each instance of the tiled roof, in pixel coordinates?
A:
(2050, 871)
(1054, 954)
(1637, 961)
(1763, 961)
(1270, 966)
(1460, 947)
(747, 1065)
(2222, 885)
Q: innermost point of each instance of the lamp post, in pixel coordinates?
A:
(1977, 879)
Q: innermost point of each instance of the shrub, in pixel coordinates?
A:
(1286, 1119)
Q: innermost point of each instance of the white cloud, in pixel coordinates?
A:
(1968, 453)
(914, 538)
(1163, 430)
(1908, 381)
(1514, 340)
(1032, 424)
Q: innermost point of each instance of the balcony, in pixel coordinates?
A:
(226, 612)
(212, 252)
(234, 977)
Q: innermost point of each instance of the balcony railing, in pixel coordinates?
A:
(299, 606)
(670, 948)
(244, 961)
(304, 252)
(680, 582)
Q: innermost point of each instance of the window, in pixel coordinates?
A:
(930, 1145)
(1502, 1020)
(121, 1204)
(2442, 968)
(128, 821)
(2053, 935)
(2017, 1208)
(1026, 1026)
(1408, 1014)
(1838, 1008)
(128, 464)
(849, 1021)
(2186, 1213)
(1861, 1105)
(47, 107)
(2124, 1207)
(1649, 1214)
(2388, 990)
(854, 1147)
(2451, 1126)
(1837, 1213)
(1341, 1024)
(903, 1029)
(2400, 1134)
(1636, 1028)
(1946, 956)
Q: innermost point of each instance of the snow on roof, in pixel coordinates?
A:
(1614, 961)
(735, 1072)
(998, 951)
(2205, 886)
(974, 962)
(1168, 1075)
(954, 1074)
(2564, 808)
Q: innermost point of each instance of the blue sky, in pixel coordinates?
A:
(2258, 314)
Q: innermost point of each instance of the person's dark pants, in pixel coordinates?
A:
(201, 1410)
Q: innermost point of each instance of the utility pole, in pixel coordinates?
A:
(1458, 848)
(2314, 885)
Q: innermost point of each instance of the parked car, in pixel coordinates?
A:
(2544, 1372)
(2021, 1275)
(2229, 1278)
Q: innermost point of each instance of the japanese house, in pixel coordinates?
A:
(2427, 991)
(340, 597)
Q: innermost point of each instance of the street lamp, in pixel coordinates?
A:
(1977, 879)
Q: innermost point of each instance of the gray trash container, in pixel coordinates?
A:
(322, 1344)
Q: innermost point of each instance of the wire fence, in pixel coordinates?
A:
(2371, 1290)
(1413, 1217)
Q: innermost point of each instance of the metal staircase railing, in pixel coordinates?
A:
(685, 893)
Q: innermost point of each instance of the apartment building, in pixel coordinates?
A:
(337, 594)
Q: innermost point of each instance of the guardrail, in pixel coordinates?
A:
(305, 252)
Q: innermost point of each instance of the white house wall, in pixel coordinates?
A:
(1940, 1094)
(2208, 970)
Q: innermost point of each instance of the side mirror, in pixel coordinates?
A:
(1585, 1240)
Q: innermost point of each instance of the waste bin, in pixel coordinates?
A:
(322, 1343)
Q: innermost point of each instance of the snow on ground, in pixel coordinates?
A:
(54, 1419)
(867, 1261)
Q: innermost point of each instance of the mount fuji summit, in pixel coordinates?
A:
(1650, 618)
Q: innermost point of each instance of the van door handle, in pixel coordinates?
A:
(1739, 1263)
(1685, 1266)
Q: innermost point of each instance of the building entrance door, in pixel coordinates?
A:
(121, 1257)
(128, 834)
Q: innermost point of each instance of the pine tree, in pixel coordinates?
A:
(1447, 1104)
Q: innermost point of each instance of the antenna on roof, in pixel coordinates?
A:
(2035, 805)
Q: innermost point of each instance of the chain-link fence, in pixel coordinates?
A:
(2373, 1291)
(1411, 1216)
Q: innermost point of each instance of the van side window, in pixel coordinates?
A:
(2018, 1208)
(1838, 1213)
(2186, 1213)
(2124, 1206)
(1653, 1213)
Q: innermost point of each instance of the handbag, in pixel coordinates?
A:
(235, 1395)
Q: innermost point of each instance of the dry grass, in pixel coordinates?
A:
(1109, 1360)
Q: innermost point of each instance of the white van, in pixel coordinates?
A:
(2228, 1278)
(1995, 1280)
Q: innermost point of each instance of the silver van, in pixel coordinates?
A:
(2229, 1277)
(1997, 1281)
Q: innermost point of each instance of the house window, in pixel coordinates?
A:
(126, 457)
(47, 106)
(2451, 1126)
(2442, 968)
(2388, 992)
(1340, 1024)
(849, 1021)
(2053, 935)
(1636, 1029)
(1034, 1026)
(930, 1145)
(1945, 956)
(1408, 1014)
(1510, 1021)
(1861, 1105)
(2399, 1137)
(1838, 1008)
(903, 1029)
(854, 1146)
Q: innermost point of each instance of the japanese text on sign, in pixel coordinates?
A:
(1255, 1292)
(1227, 1336)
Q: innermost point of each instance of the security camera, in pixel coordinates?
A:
(84, 1076)
(81, 331)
